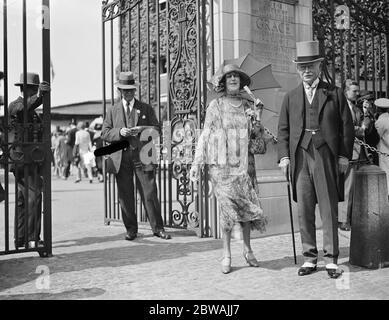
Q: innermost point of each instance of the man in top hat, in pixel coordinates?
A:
(382, 126)
(315, 139)
(33, 91)
(125, 121)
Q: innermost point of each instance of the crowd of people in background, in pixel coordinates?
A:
(73, 148)
(366, 112)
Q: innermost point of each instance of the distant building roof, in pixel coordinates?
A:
(86, 108)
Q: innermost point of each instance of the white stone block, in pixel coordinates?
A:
(242, 47)
(304, 32)
(305, 3)
(303, 15)
(242, 26)
(216, 27)
(217, 52)
(227, 50)
(216, 5)
(242, 6)
(227, 26)
(226, 6)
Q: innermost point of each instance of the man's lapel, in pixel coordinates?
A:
(120, 115)
(321, 90)
(297, 101)
(137, 110)
(356, 113)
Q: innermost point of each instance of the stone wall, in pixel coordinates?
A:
(269, 30)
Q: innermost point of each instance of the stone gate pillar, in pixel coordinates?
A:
(269, 30)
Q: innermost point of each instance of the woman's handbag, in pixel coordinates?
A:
(257, 145)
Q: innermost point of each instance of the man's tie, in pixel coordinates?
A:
(353, 112)
(310, 91)
(130, 116)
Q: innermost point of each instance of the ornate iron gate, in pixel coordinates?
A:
(25, 156)
(169, 46)
(354, 37)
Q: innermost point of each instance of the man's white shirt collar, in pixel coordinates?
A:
(350, 104)
(130, 105)
(312, 87)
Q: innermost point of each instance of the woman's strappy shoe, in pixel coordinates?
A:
(226, 265)
(250, 259)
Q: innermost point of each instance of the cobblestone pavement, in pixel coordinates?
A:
(93, 261)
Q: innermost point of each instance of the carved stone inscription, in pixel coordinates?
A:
(274, 34)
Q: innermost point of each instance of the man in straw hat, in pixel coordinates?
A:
(315, 139)
(125, 121)
(33, 91)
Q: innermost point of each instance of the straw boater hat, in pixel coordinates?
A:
(382, 103)
(219, 78)
(32, 79)
(307, 52)
(126, 81)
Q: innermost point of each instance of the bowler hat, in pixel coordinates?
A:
(126, 81)
(307, 52)
(1, 75)
(382, 103)
(219, 78)
(32, 79)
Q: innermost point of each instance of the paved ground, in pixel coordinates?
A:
(92, 261)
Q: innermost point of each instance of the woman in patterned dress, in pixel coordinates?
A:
(226, 145)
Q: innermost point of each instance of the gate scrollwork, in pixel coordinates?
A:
(182, 35)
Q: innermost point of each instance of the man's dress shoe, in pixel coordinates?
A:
(303, 271)
(31, 244)
(344, 226)
(130, 236)
(334, 273)
(162, 235)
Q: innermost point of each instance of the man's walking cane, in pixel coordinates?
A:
(291, 215)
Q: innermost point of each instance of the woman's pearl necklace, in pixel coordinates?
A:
(235, 106)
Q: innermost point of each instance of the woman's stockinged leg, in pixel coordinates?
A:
(246, 236)
(226, 243)
(226, 262)
(247, 251)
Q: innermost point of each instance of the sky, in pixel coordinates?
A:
(75, 29)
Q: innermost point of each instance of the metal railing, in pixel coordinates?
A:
(171, 43)
(354, 42)
(31, 170)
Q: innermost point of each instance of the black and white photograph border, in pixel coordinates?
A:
(118, 152)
